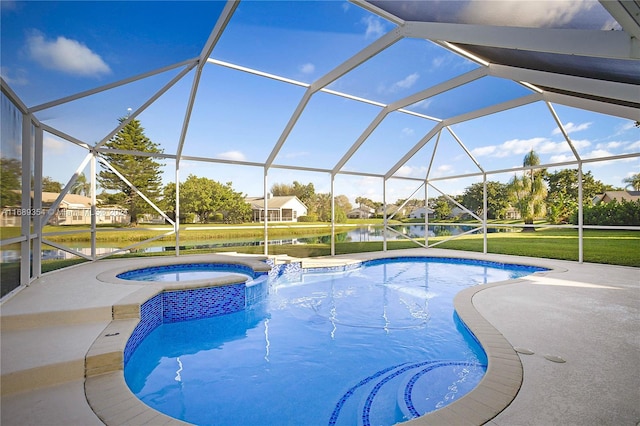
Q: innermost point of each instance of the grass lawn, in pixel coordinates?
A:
(600, 246)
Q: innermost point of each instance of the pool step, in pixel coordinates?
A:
(48, 319)
(45, 356)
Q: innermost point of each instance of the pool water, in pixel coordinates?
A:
(376, 345)
(185, 272)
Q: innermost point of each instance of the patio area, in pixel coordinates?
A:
(586, 315)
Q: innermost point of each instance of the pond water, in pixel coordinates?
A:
(357, 234)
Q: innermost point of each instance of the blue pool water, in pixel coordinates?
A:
(186, 272)
(374, 345)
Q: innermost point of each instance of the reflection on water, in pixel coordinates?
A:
(359, 234)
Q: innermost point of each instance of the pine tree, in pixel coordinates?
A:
(143, 172)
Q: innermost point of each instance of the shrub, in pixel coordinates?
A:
(308, 218)
(613, 213)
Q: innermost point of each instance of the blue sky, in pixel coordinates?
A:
(55, 49)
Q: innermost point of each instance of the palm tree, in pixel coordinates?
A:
(528, 192)
(632, 181)
(81, 186)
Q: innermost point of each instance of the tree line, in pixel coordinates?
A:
(535, 193)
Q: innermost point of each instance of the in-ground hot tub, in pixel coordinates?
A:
(187, 272)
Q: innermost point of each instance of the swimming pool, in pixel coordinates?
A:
(186, 272)
(378, 344)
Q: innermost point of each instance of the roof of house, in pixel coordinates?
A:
(275, 202)
(618, 195)
(72, 200)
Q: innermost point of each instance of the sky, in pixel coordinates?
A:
(53, 49)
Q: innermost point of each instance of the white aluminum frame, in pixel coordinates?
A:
(600, 44)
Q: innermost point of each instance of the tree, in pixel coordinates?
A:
(528, 192)
(10, 181)
(342, 202)
(143, 172)
(81, 186)
(442, 207)
(497, 199)
(562, 196)
(305, 193)
(633, 181)
(50, 185)
(168, 202)
(205, 198)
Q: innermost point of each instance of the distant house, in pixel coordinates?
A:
(609, 196)
(362, 212)
(285, 208)
(393, 210)
(512, 214)
(421, 212)
(74, 209)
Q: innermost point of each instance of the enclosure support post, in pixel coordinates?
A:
(580, 218)
(25, 219)
(93, 206)
(37, 203)
(266, 212)
(384, 215)
(426, 214)
(176, 225)
(333, 216)
(484, 212)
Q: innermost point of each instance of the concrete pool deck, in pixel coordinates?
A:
(585, 314)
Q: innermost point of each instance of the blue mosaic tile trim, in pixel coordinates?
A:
(400, 369)
(202, 302)
(352, 390)
(408, 390)
(150, 318)
(139, 274)
(256, 290)
(286, 271)
(339, 268)
(181, 305)
(455, 260)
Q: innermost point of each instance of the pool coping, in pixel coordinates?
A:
(503, 378)
(113, 402)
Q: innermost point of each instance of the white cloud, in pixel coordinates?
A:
(561, 158)
(296, 154)
(411, 171)
(375, 27)
(609, 145)
(529, 12)
(523, 146)
(406, 82)
(634, 145)
(232, 155)
(51, 144)
(307, 68)
(572, 128)
(483, 151)
(438, 61)
(15, 78)
(66, 55)
(442, 170)
(404, 171)
(423, 104)
(597, 153)
(408, 131)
